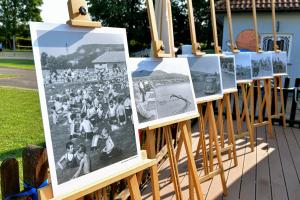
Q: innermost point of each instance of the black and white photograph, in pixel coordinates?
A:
(162, 89)
(86, 102)
(279, 61)
(206, 77)
(243, 67)
(228, 73)
(261, 65)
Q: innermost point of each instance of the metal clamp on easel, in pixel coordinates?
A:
(157, 44)
(79, 15)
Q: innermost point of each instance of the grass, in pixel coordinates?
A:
(20, 123)
(7, 76)
(19, 64)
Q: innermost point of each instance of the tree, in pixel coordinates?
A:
(14, 18)
(129, 14)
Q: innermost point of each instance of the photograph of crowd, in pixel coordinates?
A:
(279, 62)
(243, 66)
(228, 72)
(88, 103)
(206, 76)
(261, 65)
(162, 89)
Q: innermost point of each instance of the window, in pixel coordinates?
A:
(284, 43)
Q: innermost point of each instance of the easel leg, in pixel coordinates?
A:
(249, 126)
(230, 130)
(213, 131)
(133, 186)
(173, 163)
(275, 96)
(154, 182)
(190, 172)
(237, 111)
(259, 103)
(252, 114)
(282, 103)
(220, 121)
(191, 160)
(268, 105)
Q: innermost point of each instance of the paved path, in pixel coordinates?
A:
(24, 79)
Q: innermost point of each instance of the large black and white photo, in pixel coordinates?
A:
(261, 65)
(162, 89)
(228, 73)
(243, 66)
(279, 63)
(206, 77)
(86, 105)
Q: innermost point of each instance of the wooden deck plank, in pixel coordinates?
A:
(247, 191)
(263, 183)
(279, 190)
(290, 174)
(294, 149)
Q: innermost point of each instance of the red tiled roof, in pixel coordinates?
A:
(261, 5)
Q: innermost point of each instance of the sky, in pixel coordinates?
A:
(55, 11)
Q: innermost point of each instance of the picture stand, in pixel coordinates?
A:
(277, 79)
(266, 102)
(129, 175)
(209, 118)
(243, 85)
(79, 18)
(183, 124)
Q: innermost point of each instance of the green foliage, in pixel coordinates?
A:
(14, 18)
(132, 15)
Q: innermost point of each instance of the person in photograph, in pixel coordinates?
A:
(84, 162)
(58, 105)
(91, 112)
(72, 119)
(54, 115)
(121, 112)
(109, 144)
(86, 126)
(69, 158)
(127, 106)
(111, 115)
(142, 90)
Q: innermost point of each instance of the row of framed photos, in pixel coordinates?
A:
(94, 98)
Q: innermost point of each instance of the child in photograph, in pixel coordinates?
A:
(127, 105)
(91, 112)
(111, 115)
(58, 105)
(121, 112)
(73, 133)
(69, 158)
(54, 115)
(84, 161)
(86, 127)
(109, 144)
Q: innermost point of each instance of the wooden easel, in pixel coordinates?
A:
(277, 78)
(79, 17)
(266, 102)
(183, 124)
(209, 118)
(243, 85)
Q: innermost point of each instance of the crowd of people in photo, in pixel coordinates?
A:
(93, 107)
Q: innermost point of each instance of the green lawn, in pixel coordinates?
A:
(7, 76)
(20, 64)
(20, 122)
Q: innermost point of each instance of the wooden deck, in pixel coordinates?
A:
(272, 171)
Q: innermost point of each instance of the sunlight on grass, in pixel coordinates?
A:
(7, 76)
(19, 64)
(20, 122)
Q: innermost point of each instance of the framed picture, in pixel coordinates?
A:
(243, 67)
(163, 90)
(86, 103)
(279, 61)
(206, 77)
(261, 64)
(228, 73)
